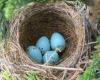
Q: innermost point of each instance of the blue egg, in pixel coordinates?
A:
(35, 54)
(51, 57)
(43, 44)
(57, 42)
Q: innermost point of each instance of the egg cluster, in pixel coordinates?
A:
(45, 50)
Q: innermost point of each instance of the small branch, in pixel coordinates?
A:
(64, 74)
(74, 76)
(33, 68)
(61, 68)
(91, 43)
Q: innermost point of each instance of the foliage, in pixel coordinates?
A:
(2, 4)
(6, 75)
(32, 76)
(3, 26)
(82, 1)
(98, 39)
(11, 5)
(7, 8)
(87, 74)
(93, 70)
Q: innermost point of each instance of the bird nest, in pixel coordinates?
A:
(36, 20)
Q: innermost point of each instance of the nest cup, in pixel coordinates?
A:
(36, 20)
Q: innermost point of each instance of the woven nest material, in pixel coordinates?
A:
(36, 20)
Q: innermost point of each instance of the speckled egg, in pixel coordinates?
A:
(35, 54)
(51, 57)
(57, 42)
(43, 44)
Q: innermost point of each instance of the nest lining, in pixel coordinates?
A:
(45, 23)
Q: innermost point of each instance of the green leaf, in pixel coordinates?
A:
(6, 75)
(37, 78)
(87, 75)
(2, 4)
(32, 76)
(98, 39)
(9, 11)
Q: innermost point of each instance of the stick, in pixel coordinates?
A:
(91, 43)
(61, 68)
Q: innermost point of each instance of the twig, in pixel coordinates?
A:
(64, 74)
(91, 43)
(33, 68)
(61, 68)
(74, 76)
